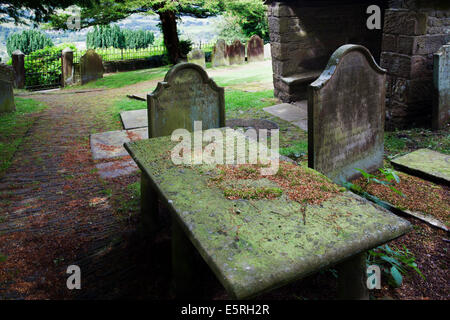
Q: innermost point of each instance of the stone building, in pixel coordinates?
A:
(304, 34)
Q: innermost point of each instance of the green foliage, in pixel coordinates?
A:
(114, 37)
(295, 151)
(27, 41)
(249, 15)
(388, 174)
(44, 66)
(185, 46)
(394, 263)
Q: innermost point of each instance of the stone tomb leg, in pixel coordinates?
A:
(352, 278)
(346, 111)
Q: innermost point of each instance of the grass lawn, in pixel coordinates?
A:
(14, 126)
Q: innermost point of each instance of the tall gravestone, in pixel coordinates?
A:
(186, 95)
(197, 56)
(6, 89)
(255, 49)
(441, 81)
(91, 67)
(346, 110)
(236, 52)
(267, 51)
(219, 56)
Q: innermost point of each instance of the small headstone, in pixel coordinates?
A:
(186, 95)
(267, 51)
(197, 56)
(255, 49)
(441, 80)
(219, 55)
(236, 52)
(91, 66)
(6, 89)
(346, 115)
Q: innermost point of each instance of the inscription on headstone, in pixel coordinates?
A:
(219, 55)
(6, 89)
(441, 81)
(197, 56)
(255, 49)
(91, 66)
(236, 52)
(186, 95)
(346, 115)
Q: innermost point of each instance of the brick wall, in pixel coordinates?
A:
(413, 31)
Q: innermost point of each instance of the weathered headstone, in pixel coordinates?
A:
(18, 62)
(67, 67)
(6, 89)
(236, 52)
(441, 80)
(255, 49)
(197, 56)
(346, 110)
(219, 55)
(186, 95)
(91, 66)
(267, 51)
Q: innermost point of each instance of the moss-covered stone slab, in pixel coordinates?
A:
(296, 114)
(134, 119)
(253, 246)
(109, 144)
(427, 164)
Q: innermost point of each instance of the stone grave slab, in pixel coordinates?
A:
(134, 119)
(219, 55)
(441, 81)
(255, 49)
(267, 51)
(296, 114)
(109, 144)
(91, 66)
(186, 95)
(108, 170)
(197, 56)
(346, 111)
(425, 163)
(6, 89)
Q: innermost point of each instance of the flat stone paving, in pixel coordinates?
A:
(426, 163)
(134, 119)
(116, 169)
(109, 144)
(296, 114)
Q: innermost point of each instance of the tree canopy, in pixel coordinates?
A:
(114, 37)
(27, 41)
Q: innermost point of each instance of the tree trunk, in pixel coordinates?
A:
(170, 33)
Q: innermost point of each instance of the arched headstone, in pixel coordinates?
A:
(255, 49)
(186, 95)
(219, 55)
(91, 66)
(197, 56)
(236, 52)
(346, 110)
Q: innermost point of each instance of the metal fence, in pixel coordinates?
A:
(42, 71)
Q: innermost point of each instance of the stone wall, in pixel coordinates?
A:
(304, 34)
(413, 31)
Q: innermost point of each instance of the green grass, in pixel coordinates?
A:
(122, 79)
(112, 114)
(236, 99)
(296, 150)
(245, 74)
(13, 127)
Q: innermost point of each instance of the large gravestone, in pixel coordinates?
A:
(6, 89)
(186, 95)
(346, 110)
(441, 80)
(236, 52)
(219, 55)
(91, 66)
(197, 56)
(255, 49)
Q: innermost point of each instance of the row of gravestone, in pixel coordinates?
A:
(223, 54)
